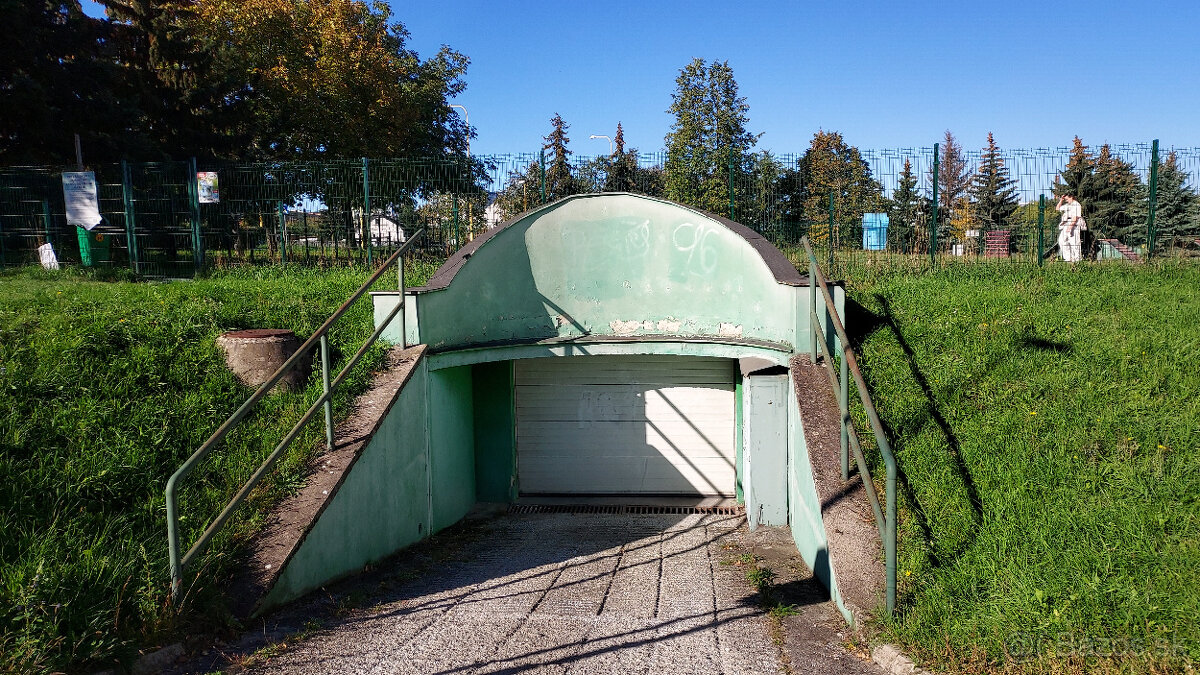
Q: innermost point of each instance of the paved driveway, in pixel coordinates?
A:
(558, 593)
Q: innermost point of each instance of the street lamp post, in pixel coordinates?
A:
(466, 119)
(610, 145)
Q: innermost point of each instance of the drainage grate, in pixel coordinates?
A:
(646, 509)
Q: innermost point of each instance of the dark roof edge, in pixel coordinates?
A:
(781, 268)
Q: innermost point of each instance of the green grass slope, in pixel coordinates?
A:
(1047, 425)
(105, 388)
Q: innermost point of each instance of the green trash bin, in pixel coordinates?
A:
(95, 247)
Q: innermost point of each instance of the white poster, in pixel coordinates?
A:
(206, 185)
(83, 205)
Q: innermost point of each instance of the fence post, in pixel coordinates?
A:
(933, 220)
(1041, 229)
(812, 310)
(282, 231)
(831, 233)
(1150, 233)
(130, 215)
(366, 229)
(542, 164)
(46, 220)
(197, 239)
(454, 214)
(731, 213)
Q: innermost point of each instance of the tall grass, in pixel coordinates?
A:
(105, 388)
(1047, 427)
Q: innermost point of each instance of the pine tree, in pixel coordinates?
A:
(953, 181)
(560, 182)
(1076, 179)
(1177, 206)
(708, 135)
(905, 212)
(621, 169)
(1114, 190)
(831, 166)
(993, 192)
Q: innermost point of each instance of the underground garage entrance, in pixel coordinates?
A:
(607, 345)
(625, 425)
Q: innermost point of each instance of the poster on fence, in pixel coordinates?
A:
(79, 193)
(206, 185)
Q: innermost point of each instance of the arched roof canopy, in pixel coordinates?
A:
(611, 266)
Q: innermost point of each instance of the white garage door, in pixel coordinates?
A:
(625, 424)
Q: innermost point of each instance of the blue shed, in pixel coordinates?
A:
(875, 226)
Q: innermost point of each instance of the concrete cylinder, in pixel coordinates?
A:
(255, 354)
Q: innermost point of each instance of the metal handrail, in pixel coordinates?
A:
(884, 522)
(325, 401)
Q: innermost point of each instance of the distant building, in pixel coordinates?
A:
(492, 214)
(385, 228)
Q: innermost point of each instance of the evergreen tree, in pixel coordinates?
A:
(560, 181)
(1177, 206)
(831, 166)
(993, 192)
(707, 136)
(621, 173)
(906, 212)
(1076, 178)
(61, 74)
(953, 181)
(1113, 192)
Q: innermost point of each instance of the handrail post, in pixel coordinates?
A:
(844, 404)
(400, 299)
(325, 391)
(812, 309)
(173, 541)
(889, 537)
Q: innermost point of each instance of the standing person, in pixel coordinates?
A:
(1070, 227)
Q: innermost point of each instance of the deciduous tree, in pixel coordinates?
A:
(830, 165)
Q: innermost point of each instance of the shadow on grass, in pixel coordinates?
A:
(866, 324)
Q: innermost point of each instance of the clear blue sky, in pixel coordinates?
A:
(885, 74)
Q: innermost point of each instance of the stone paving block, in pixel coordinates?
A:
(616, 645)
(581, 586)
(541, 644)
(634, 587)
(687, 645)
(459, 643)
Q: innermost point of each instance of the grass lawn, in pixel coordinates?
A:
(1047, 427)
(105, 388)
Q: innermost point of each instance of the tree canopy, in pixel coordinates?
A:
(708, 139)
(233, 79)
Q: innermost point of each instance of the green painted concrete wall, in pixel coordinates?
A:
(452, 438)
(495, 438)
(381, 506)
(414, 477)
(611, 265)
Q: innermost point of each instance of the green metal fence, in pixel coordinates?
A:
(336, 212)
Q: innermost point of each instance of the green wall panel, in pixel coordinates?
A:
(452, 441)
(495, 443)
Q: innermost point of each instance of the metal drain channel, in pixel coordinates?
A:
(646, 509)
